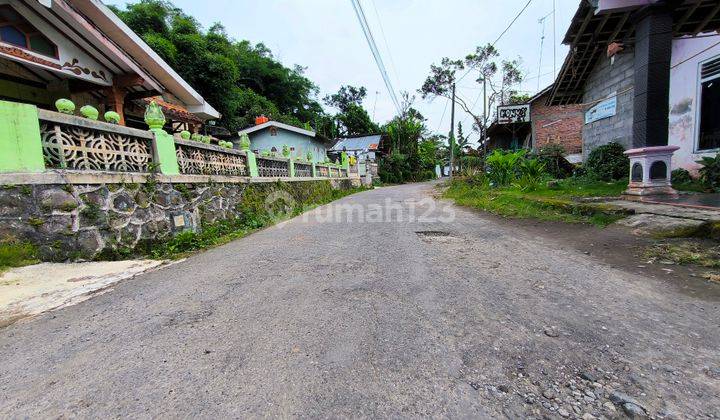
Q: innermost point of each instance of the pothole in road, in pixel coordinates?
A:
(431, 236)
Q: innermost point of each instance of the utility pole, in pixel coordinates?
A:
(485, 118)
(375, 105)
(554, 44)
(452, 133)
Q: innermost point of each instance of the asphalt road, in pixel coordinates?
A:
(330, 318)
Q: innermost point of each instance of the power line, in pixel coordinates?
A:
(473, 106)
(493, 44)
(387, 47)
(554, 41)
(503, 32)
(512, 23)
(375, 52)
(443, 115)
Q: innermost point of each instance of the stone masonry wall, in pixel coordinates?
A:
(560, 124)
(605, 80)
(79, 222)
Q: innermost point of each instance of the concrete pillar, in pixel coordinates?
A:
(653, 50)
(164, 152)
(20, 144)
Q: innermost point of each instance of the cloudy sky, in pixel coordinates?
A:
(325, 37)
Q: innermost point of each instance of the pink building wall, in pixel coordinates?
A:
(687, 54)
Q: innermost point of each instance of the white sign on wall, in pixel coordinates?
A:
(604, 109)
(508, 114)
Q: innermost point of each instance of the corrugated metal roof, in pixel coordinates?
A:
(357, 143)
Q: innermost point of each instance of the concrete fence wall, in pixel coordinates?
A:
(78, 188)
(34, 140)
(73, 220)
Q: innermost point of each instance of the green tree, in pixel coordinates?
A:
(352, 118)
(500, 79)
(239, 79)
(407, 162)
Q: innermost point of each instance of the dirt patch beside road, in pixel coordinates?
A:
(619, 248)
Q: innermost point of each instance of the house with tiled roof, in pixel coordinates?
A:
(80, 50)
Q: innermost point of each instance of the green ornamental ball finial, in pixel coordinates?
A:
(89, 112)
(185, 135)
(285, 150)
(244, 142)
(196, 137)
(65, 106)
(154, 117)
(112, 117)
(309, 156)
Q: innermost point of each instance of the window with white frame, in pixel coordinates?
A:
(709, 109)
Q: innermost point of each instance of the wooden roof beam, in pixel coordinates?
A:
(710, 16)
(686, 16)
(583, 26)
(591, 59)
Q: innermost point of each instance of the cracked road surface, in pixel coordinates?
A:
(469, 317)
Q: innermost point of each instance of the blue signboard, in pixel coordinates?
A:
(604, 109)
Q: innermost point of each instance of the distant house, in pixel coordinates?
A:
(80, 50)
(271, 136)
(364, 148)
(543, 125)
(560, 125)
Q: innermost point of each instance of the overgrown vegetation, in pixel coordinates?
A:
(608, 162)
(544, 203)
(262, 205)
(682, 180)
(413, 154)
(709, 180)
(15, 253)
(553, 157)
(517, 184)
(686, 252)
(710, 173)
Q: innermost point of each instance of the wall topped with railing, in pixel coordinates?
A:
(33, 140)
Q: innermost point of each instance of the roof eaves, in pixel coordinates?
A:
(540, 94)
(115, 29)
(277, 125)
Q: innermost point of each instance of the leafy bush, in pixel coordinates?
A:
(553, 157)
(471, 163)
(398, 168)
(532, 173)
(608, 162)
(477, 179)
(394, 168)
(710, 172)
(580, 171)
(502, 166)
(681, 176)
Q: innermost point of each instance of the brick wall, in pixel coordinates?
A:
(605, 80)
(557, 125)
